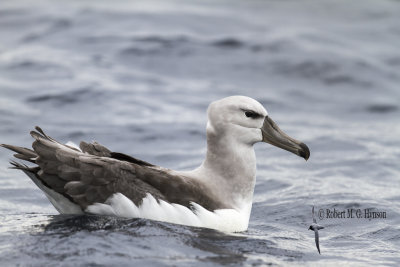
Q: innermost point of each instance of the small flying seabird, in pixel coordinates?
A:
(91, 179)
(315, 227)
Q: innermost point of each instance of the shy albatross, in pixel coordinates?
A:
(218, 194)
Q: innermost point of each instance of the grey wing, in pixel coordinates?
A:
(94, 175)
(313, 215)
(317, 240)
(174, 189)
(86, 178)
(99, 150)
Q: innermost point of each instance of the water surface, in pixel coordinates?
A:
(138, 77)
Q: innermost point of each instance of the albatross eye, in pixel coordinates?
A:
(251, 114)
(248, 113)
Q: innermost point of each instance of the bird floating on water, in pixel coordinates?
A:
(94, 180)
(315, 227)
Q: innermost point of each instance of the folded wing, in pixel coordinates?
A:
(95, 173)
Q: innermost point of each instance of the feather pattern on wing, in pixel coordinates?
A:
(95, 173)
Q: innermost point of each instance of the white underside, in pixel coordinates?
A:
(226, 220)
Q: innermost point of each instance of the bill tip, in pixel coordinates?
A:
(305, 151)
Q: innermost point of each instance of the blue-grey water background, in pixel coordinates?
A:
(138, 77)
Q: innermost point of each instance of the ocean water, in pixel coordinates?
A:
(138, 77)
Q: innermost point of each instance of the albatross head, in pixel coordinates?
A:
(234, 125)
(241, 120)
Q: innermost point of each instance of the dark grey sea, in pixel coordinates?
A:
(137, 76)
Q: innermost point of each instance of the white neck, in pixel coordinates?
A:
(229, 169)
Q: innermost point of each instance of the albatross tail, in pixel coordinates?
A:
(62, 203)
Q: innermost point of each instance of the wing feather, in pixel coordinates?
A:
(313, 215)
(317, 240)
(96, 173)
